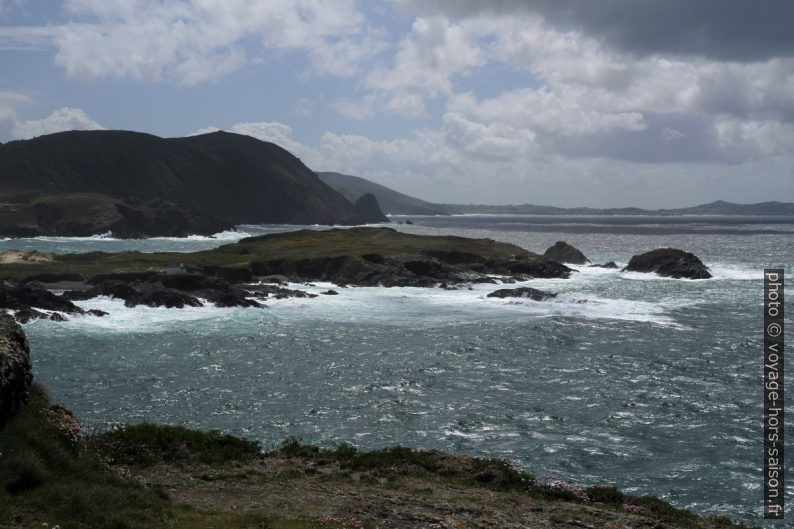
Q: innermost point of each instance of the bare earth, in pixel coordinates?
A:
(294, 487)
(25, 257)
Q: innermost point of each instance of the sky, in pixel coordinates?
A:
(602, 103)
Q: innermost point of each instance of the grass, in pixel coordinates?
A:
(45, 478)
(148, 444)
(281, 249)
(494, 474)
(406, 461)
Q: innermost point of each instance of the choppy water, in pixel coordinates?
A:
(653, 384)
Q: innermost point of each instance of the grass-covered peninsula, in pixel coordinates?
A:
(357, 256)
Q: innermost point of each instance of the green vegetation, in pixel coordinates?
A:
(46, 478)
(399, 460)
(150, 444)
(306, 252)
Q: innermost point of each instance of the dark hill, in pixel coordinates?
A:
(228, 177)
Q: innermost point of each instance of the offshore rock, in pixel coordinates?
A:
(610, 264)
(669, 262)
(523, 292)
(565, 253)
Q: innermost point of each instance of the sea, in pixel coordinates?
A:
(650, 384)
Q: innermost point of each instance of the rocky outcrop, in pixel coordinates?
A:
(565, 253)
(65, 423)
(523, 292)
(610, 264)
(258, 268)
(15, 367)
(366, 210)
(26, 298)
(669, 262)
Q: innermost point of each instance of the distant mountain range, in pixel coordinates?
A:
(134, 184)
(395, 203)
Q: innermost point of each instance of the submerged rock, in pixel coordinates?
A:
(523, 292)
(15, 367)
(565, 253)
(669, 262)
(610, 264)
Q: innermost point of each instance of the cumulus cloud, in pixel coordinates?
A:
(15, 127)
(66, 118)
(192, 41)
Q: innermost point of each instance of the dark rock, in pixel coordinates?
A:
(140, 293)
(230, 297)
(610, 264)
(669, 262)
(15, 367)
(366, 210)
(233, 274)
(565, 253)
(278, 292)
(57, 316)
(523, 292)
(32, 295)
(111, 288)
(543, 268)
(27, 315)
(191, 282)
(331, 293)
(156, 295)
(276, 279)
(96, 312)
(426, 268)
(408, 221)
(374, 258)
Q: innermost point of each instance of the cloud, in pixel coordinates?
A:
(725, 30)
(356, 110)
(15, 127)
(193, 41)
(66, 118)
(424, 64)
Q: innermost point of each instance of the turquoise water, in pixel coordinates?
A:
(650, 384)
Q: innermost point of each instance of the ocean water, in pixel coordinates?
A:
(650, 384)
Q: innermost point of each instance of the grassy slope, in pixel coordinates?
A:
(44, 478)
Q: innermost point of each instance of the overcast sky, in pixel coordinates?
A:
(604, 103)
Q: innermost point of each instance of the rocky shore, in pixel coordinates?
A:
(248, 273)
